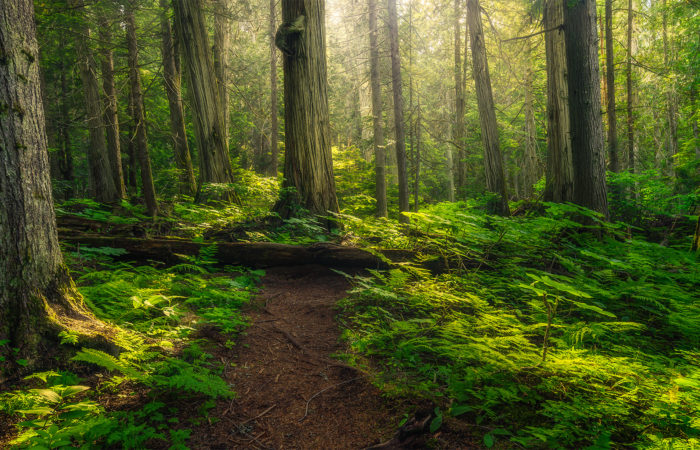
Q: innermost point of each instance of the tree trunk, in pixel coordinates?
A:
(694, 120)
(214, 162)
(308, 165)
(131, 150)
(672, 101)
(610, 78)
(587, 144)
(530, 168)
(274, 126)
(458, 130)
(100, 180)
(630, 93)
(139, 115)
(560, 170)
(111, 116)
(416, 181)
(171, 80)
(493, 160)
(36, 292)
(399, 129)
(378, 128)
(65, 161)
(222, 48)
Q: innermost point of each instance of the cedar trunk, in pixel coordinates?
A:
(630, 94)
(610, 82)
(274, 124)
(458, 130)
(377, 126)
(222, 47)
(530, 169)
(139, 115)
(171, 79)
(587, 143)
(493, 160)
(399, 129)
(308, 167)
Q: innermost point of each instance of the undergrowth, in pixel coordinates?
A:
(540, 332)
(162, 359)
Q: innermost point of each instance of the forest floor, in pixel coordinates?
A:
(290, 392)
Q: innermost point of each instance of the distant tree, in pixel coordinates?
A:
(222, 48)
(274, 125)
(399, 128)
(630, 94)
(138, 113)
(610, 82)
(587, 144)
(172, 82)
(493, 159)
(377, 125)
(37, 296)
(308, 167)
(214, 162)
(458, 127)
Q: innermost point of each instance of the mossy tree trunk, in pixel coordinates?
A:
(35, 288)
(587, 142)
(172, 81)
(377, 125)
(214, 162)
(139, 115)
(493, 160)
(308, 166)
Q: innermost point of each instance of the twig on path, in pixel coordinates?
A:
(259, 415)
(306, 412)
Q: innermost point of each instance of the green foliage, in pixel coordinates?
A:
(540, 329)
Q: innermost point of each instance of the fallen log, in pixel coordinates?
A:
(249, 254)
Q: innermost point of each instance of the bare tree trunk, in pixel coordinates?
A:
(610, 77)
(378, 128)
(36, 292)
(222, 48)
(100, 180)
(111, 116)
(399, 129)
(65, 162)
(139, 117)
(458, 130)
(630, 93)
(131, 150)
(672, 105)
(531, 166)
(172, 82)
(587, 143)
(214, 162)
(560, 170)
(274, 127)
(493, 159)
(308, 167)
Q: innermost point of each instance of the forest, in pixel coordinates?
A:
(362, 224)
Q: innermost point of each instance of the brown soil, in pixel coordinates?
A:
(283, 365)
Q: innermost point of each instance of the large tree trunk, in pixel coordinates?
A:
(587, 143)
(630, 93)
(399, 129)
(308, 167)
(171, 80)
(214, 162)
(458, 126)
(672, 101)
(100, 179)
(559, 185)
(493, 160)
(274, 126)
(377, 125)
(222, 48)
(139, 115)
(610, 81)
(111, 117)
(37, 296)
(530, 168)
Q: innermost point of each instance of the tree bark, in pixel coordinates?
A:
(493, 160)
(139, 115)
(458, 130)
(672, 101)
(416, 181)
(587, 143)
(100, 179)
(399, 128)
(630, 93)
(530, 168)
(308, 166)
(111, 117)
(377, 126)
(36, 292)
(172, 82)
(65, 161)
(222, 48)
(560, 170)
(610, 79)
(274, 126)
(214, 162)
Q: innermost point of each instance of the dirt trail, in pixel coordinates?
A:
(283, 363)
